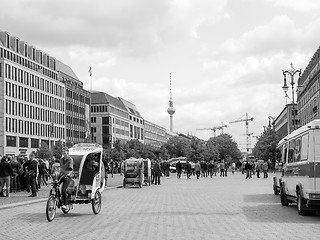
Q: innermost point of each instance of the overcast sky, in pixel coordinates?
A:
(225, 57)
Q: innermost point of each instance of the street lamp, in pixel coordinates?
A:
(285, 87)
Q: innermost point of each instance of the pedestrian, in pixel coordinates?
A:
(215, 168)
(14, 181)
(157, 172)
(193, 165)
(258, 169)
(179, 169)
(42, 173)
(32, 172)
(210, 169)
(204, 169)
(265, 170)
(188, 169)
(5, 174)
(247, 168)
(222, 168)
(233, 167)
(197, 169)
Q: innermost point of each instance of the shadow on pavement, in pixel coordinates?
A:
(262, 198)
(276, 213)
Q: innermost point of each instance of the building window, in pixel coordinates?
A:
(11, 141)
(34, 143)
(93, 119)
(23, 142)
(105, 120)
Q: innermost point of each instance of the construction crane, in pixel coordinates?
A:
(214, 129)
(246, 120)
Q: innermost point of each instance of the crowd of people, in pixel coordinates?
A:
(23, 174)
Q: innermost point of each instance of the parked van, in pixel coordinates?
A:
(300, 154)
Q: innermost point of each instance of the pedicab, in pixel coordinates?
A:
(88, 181)
(147, 171)
(133, 172)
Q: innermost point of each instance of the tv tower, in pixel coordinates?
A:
(171, 109)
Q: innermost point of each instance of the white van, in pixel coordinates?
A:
(300, 154)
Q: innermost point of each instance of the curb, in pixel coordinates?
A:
(12, 205)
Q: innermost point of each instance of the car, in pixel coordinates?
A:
(172, 169)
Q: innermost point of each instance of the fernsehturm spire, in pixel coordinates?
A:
(171, 109)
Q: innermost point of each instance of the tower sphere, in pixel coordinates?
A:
(171, 110)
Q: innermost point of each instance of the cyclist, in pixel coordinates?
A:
(66, 164)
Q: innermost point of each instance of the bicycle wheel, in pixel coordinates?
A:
(51, 208)
(96, 203)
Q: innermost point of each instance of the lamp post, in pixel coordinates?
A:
(51, 131)
(291, 72)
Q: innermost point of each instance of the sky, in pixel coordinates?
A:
(225, 57)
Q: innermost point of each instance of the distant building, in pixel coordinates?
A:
(136, 122)
(32, 99)
(77, 106)
(309, 95)
(284, 123)
(109, 119)
(154, 135)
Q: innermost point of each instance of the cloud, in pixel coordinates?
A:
(307, 6)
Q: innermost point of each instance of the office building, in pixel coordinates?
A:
(32, 99)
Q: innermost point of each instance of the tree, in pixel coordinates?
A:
(177, 147)
(265, 148)
(196, 150)
(43, 152)
(226, 147)
(57, 150)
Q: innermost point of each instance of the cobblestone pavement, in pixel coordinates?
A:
(21, 198)
(229, 207)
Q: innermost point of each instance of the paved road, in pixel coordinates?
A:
(220, 208)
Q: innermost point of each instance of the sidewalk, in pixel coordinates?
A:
(21, 198)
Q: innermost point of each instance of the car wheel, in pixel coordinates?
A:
(301, 204)
(283, 198)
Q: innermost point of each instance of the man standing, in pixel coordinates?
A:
(31, 167)
(66, 164)
(5, 173)
(179, 169)
(157, 172)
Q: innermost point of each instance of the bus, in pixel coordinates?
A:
(299, 155)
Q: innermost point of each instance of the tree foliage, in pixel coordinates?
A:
(265, 148)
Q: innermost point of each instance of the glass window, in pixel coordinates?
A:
(23, 142)
(304, 147)
(291, 152)
(34, 143)
(11, 141)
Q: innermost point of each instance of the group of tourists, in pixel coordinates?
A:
(255, 168)
(29, 174)
(205, 169)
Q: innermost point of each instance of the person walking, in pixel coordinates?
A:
(222, 168)
(5, 174)
(197, 169)
(210, 169)
(265, 169)
(157, 172)
(188, 169)
(179, 169)
(247, 168)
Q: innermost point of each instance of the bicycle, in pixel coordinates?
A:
(54, 200)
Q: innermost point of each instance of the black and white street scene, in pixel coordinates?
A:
(159, 120)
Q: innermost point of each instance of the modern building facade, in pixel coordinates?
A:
(109, 119)
(285, 123)
(154, 135)
(309, 94)
(32, 99)
(136, 122)
(77, 106)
